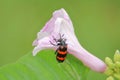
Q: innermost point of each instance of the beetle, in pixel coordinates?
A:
(61, 51)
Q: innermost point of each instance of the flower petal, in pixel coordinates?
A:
(43, 44)
(63, 14)
(88, 59)
(40, 35)
(57, 14)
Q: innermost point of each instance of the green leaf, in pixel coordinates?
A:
(44, 67)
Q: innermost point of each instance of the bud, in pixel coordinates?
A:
(110, 78)
(117, 76)
(109, 62)
(117, 64)
(108, 71)
(117, 56)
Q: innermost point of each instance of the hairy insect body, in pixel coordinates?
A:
(61, 53)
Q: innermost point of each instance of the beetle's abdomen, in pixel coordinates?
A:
(61, 53)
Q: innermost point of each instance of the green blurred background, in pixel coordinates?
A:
(96, 23)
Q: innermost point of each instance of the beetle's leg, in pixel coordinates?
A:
(56, 52)
(54, 39)
(52, 43)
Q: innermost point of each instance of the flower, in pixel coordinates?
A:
(60, 24)
(113, 66)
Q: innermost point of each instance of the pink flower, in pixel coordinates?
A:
(60, 23)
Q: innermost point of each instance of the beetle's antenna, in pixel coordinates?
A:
(62, 35)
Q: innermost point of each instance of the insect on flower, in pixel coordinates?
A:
(61, 51)
(51, 37)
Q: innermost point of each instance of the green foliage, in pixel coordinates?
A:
(44, 67)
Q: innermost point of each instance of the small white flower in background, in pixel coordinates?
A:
(60, 23)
